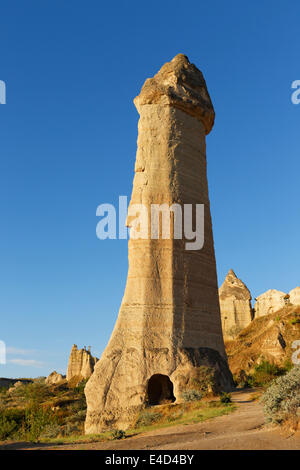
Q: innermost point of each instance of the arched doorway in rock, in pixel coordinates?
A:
(160, 390)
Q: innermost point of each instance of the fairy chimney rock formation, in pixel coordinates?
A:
(169, 321)
(269, 302)
(235, 305)
(294, 296)
(81, 364)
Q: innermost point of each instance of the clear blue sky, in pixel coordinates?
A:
(68, 141)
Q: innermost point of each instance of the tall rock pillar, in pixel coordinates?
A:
(169, 323)
(235, 304)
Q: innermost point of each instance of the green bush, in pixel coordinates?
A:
(225, 397)
(80, 387)
(118, 434)
(191, 395)
(147, 417)
(70, 428)
(7, 427)
(282, 398)
(264, 373)
(242, 380)
(36, 420)
(50, 431)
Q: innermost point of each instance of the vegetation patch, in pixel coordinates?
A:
(36, 411)
(282, 399)
(263, 374)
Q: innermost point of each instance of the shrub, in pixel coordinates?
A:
(191, 395)
(6, 427)
(282, 398)
(50, 431)
(36, 420)
(77, 417)
(234, 331)
(79, 388)
(147, 417)
(242, 380)
(225, 397)
(70, 428)
(118, 434)
(265, 373)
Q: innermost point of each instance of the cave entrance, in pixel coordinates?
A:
(160, 390)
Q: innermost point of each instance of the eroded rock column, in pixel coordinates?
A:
(169, 322)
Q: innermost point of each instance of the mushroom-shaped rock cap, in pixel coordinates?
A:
(180, 84)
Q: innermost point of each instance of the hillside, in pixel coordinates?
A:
(268, 338)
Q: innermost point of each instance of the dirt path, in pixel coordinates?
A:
(242, 430)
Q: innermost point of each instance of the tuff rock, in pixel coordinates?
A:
(169, 321)
(81, 364)
(235, 305)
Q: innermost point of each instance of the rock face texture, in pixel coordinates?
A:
(294, 296)
(54, 378)
(81, 364)
(235, 305)
(269, 302)
(267, 338)
(169, 322)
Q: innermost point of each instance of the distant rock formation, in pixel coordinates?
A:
(294, 296)
(169, 322)
(269, 302)
(81, 364)
(235, 305)
(7, 383)
(54, 378)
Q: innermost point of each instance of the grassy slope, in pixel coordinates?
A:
(261, 339)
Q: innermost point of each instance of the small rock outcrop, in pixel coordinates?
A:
(235, 305)
(81, 364)
(269, 302)
(294, 296)
(54, 378)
